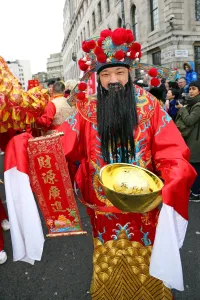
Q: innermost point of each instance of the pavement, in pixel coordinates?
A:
(65, 271)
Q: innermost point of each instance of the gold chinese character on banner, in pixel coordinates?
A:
(44, 162)
(54, 192)
(57, 206)
(49, 177)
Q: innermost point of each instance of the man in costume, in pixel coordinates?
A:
(56, 111)
(126, 124)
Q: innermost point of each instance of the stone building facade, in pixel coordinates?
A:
(55, 66)
(168, 30)
(41, 77)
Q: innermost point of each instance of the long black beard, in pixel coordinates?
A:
(117, 119)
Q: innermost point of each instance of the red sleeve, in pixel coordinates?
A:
(73, 139)
(170, 157)
(46, 119)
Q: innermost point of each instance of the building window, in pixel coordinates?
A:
(134, 21)
(84, 36)
(99, 12)
(119, 22)
(88, 28)
(79, 42)
(197, 9)
(197, 59)
(108, 5)
(156, 58)
(154, 14)
(93, 21)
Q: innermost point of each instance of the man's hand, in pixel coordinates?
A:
(179, 105)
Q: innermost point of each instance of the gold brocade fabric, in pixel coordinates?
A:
(121, 272)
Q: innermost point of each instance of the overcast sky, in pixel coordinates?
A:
(31, 29)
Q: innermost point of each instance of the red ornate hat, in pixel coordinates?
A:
(112, 48)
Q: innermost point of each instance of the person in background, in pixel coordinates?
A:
(173, 85)
(182, 83)
(69, 85)
(4, 224)
(158, 93)
(172, 97)
(188, 122)
(164, 88)
(190, 74)
(57, 110)
(50, 87)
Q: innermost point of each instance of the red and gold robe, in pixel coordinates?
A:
(123, 241)
(54, 114)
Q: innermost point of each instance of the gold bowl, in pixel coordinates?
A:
(131, 188)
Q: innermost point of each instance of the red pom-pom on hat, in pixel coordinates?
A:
(80, 61)
(136, 47)
(102, 58)
(153, 72)
(82, 86)
(130, 38)
(91, 44)
(155, 82)
(98, 50)
(100, 41)
(119, 36)
(105, 33)
(119, 55)
(80, 96)
(82, 65)
(129, 31)
(133, 55)
(85, 47)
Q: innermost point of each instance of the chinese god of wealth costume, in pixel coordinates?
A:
(136, 246)
(136, 255)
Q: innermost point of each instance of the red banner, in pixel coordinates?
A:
(92, 85)
(32, 83)
(52, 185)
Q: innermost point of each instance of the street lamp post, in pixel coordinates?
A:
(123, 14)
